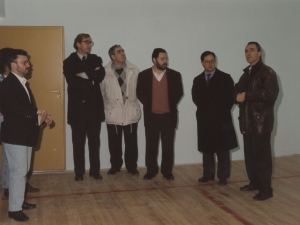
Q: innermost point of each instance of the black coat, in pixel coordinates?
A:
(85, 102)
(214, 102)
(20, 125)
(257, 111)
(144, 93)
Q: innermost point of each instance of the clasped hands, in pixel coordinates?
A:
(240, 97)
(48, 119)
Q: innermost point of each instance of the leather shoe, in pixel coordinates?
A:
(248, 188)
(18, 216)
(112, 171)
(97, 176)
(29, 188)
(148, 176)
(134, 172)
(169, 176)
(261, 196)
(222, 181)
(205, 179)
(79, 177)
(6, 192)
(27, 205)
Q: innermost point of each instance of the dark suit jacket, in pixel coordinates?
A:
(214, 102)
(144, 93)
(85, 102)
(20, 114)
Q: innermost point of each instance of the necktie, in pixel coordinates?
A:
(120, 80)
(208, 77)
(83, 60)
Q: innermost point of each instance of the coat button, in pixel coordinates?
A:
(258, 117)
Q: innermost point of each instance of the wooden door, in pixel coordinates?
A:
(45, 47)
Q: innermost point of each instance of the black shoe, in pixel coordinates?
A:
(169, 176)
(112, 171)
(29, 188)
(222, 181)
(18, 216)
(205, 179)
(261, 196)
(79, 177)
(96, 176)
(134, 172)
(248, 188)
(27, 205)
(148, 176)
(6, 192)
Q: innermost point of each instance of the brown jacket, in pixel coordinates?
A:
(261, 87)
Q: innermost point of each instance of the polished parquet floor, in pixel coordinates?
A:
(126, 199)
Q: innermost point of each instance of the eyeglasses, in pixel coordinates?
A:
(25, 63)
(88, 42)
(210, 62)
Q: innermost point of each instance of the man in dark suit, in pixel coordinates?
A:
(84, 72)
(211, 93)
(19, 130)
(159, 89)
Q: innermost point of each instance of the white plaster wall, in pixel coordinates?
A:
(185, 29)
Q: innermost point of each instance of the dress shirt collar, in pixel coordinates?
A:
(211, 74)
(80, 56)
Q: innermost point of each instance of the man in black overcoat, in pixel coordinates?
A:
(84, 72)
(211, 92)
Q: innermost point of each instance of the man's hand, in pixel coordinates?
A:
(48, 120)
(42, 112)
(97, 68)
(241, 97)
(79, 74)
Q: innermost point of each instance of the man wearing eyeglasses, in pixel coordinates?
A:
(19, 130)
(84, 72)
(211, 93)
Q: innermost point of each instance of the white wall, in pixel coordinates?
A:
(185, 29)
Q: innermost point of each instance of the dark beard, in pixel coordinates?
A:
(161, 67)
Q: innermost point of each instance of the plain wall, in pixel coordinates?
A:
(185, 29)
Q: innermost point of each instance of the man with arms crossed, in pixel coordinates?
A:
(122, 110)
(256, 93)
(159, 89)
(212, 94)
(84, 72)
(19, 130)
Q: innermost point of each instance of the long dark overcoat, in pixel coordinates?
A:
(214, 122)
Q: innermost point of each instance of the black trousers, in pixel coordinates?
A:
(79, 134)
(160, 127)
(115, 146)
(223, 170)
(258, 159)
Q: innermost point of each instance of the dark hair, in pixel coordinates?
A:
(14, 55)
(4, 54)
(79, 39)
(156, 52)
(206, 53)
(111, 51)
(257, 46)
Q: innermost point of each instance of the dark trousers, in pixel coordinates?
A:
(160, 126)
(115, 146)
(79, 134)
(223, 165)
(258, 159)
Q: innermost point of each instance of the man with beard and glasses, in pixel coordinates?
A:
(4, 72)
(19, 130)
(159, 89)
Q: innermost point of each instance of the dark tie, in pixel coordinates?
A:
(83, 60)
(208, 77)
(120, 80)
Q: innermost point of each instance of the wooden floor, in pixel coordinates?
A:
(125, 199)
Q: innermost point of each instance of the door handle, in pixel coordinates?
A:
(58, 93)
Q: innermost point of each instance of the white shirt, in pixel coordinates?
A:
(159, 76)
(23, 82)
